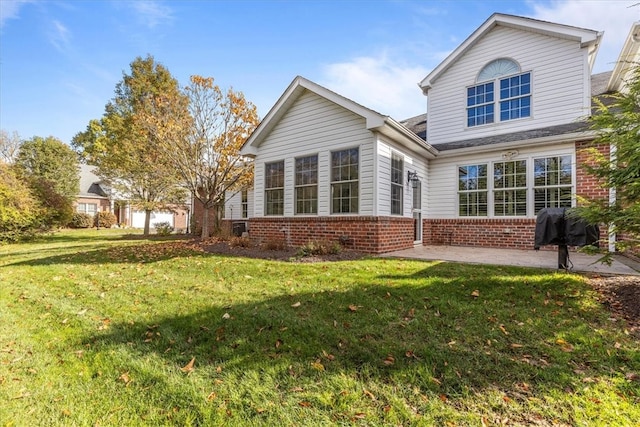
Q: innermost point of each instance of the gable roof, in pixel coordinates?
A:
(374, 121)
(628, 58)
(90, 184)
(587, 38)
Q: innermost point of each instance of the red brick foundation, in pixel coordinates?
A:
(512, 233)
(370, 234)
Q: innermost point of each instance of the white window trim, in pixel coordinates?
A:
(295, 200)
(331, 213)
(530, 184)
(496, 102)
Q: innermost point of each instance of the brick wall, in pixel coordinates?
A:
(370, 234)
(513, 233)
(587, 185)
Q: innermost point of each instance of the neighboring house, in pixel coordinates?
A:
(95, 196)
(504, 137)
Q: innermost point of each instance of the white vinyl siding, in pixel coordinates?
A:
(411, 163)
(443, 177)
(233, 205)
(559, 70)
(313, 125)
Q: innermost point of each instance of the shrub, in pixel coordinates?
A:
(163, 228)
(274, 245)
(20, 213)
(81, 220)
(242, 242)
(104, 219)
(320, 247)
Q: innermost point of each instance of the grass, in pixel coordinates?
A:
(100, 329)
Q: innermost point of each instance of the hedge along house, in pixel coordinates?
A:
(504, 136)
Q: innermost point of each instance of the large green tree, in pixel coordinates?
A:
(126, 154)
(50, 168)
(203, 144)
(617, 122)
(20, 212)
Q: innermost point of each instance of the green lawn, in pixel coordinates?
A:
(97, 329)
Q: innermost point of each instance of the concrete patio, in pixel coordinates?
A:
(582, 263)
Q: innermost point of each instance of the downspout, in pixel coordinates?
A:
(612, 199)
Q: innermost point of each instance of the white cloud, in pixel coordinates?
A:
(379, 83)
(151, 12)
(59, 36)
(10, 8)
(614, 17)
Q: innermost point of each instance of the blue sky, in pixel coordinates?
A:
(61, 60)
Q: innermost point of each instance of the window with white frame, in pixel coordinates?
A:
(306, 185)
(552, 182)
(88, 208)
(510, 188)
(244, 203)
(514, 96)
(274, 188)
(345, 181)
(397, 184)
(472, 190)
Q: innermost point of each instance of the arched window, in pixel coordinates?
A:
(498, 68)
(513, 97)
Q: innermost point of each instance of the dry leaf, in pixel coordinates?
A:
(317, 366)
(226, 316)
(353, 307)
(390, 360)
(125, 378)
(504, 331)
(188, 368)
(212, 396)
(514, 345)
(278, 343)
(475, 293)
(304, 404)
(298, 304)
(369, 394)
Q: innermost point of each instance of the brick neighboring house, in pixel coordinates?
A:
(504, 136)
(95, 196)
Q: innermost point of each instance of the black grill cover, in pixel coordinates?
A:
(555, 227)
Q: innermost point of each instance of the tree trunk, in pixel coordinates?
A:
(205, 223)
(147, 220)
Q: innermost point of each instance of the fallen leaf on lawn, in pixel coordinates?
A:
(246, 276)
(506, 399)
(632, 376)
(297, 389)
(317, 366)
(56, 278)
(189, 366)
(369, 394)
(437, 381)
(475, 293)
(504, 331)
(212, 396)
(390, 360)
(443, 397)
(451, 342)
(125, 378)
(66, 412)
(353, 307)
(514, 345)
(298, 304)
(304, 404)
(278, 343)
(226, 316)
(386, 408)
(360, 416)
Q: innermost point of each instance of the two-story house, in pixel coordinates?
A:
(504, 136)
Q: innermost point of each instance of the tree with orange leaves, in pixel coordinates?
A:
(204, 145)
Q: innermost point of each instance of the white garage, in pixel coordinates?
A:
(137, 219)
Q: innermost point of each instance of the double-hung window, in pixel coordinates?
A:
(552, 182)
(306, 185)
(88, 208)
(344, 181)
(244, 202)
(397, 187)
(274, 188)
(510, 188)
(513, 95)
(472, 190)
